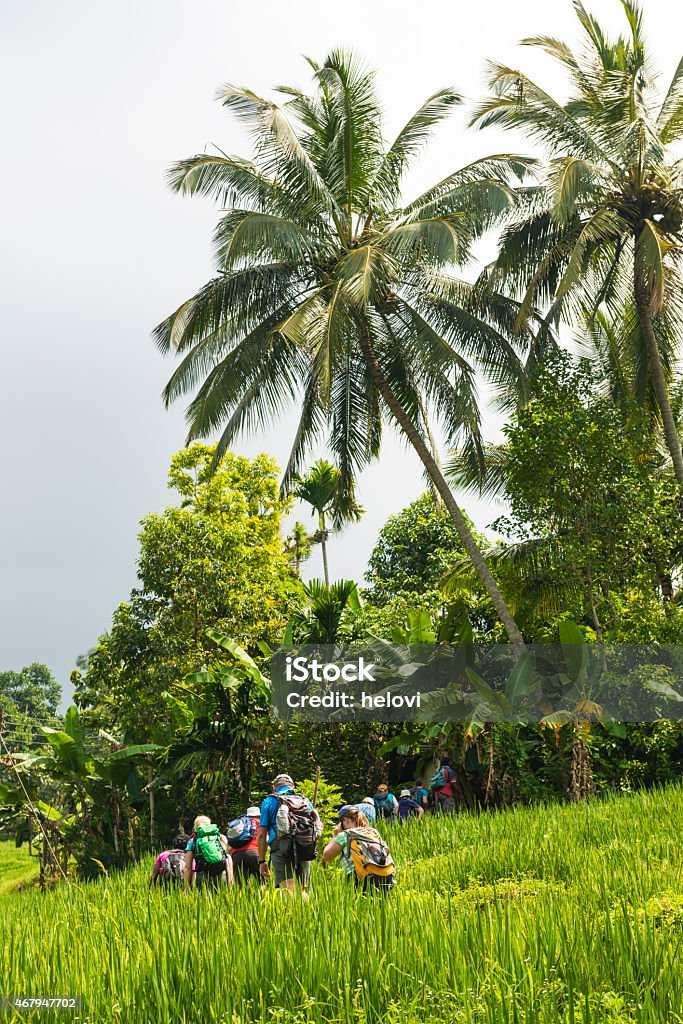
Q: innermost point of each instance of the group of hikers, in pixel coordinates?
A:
(279, 839)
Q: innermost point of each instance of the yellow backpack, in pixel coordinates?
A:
(370, 855)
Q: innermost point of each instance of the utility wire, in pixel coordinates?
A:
(30, 802)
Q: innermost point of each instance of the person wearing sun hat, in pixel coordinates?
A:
(407, 807)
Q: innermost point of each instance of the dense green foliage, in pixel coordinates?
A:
(215, 561)
(412, 552)
(556, 915)
(33, 690)
(28, 701)
(582, 493)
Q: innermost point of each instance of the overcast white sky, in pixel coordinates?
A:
(98, 100)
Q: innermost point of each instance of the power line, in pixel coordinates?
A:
(34, 719)
(29, 801)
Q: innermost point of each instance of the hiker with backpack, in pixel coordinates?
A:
(290, 826)
(212, 866)
(169, 867)
(442, 786)
(243, 845)
(408, 808)
(366, 807)
(420, 795)
(386, 804)
(364, 854)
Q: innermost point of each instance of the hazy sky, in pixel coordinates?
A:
(98, 100)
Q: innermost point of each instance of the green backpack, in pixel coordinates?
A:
(209, 853)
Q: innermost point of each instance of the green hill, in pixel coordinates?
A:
(568, 914)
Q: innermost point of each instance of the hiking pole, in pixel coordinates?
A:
(315, 788)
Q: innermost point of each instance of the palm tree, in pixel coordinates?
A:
(329, 610)
(603, 229)
(320, 489)
(331, 298)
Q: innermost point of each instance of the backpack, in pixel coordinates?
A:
(173, 869)
(298, 827)
(384, 805)
(371, 857)
(416, 794)
(408, 809)
(209, 852)
(241, 831)
(438, 779)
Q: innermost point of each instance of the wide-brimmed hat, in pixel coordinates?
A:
(404, 792)
(253, 812)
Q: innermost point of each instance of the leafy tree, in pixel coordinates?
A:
(591, 521)
(604, 227)
(320, 488)
(331, 297)
(413, 550)
(298, 546)
(328, 799)
(214, 562)
(33, 690)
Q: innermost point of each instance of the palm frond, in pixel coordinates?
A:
(409, 141)
(230, 304)
(486, 477)
(251, 234)
(355, 150)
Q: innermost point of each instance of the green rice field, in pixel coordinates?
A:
(569, 914)
(16, 869)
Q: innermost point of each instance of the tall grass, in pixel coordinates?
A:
(16, 867)
(546, 915)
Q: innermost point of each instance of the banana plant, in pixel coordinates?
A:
(220, 717)
(94, 800)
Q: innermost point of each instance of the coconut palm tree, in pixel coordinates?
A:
(332, 298)
(604, 228)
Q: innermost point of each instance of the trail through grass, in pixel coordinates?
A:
(567, 914)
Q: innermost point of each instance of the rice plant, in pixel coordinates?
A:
(569, 914)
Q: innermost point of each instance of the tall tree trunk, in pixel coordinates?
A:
(581, 770)
(673, 441)
(323, 545)
(439, 481)
(491, 778)
(666, 586)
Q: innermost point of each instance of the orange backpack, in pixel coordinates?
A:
(370, 855)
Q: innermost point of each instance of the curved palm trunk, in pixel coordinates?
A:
(673, 441)
(439, 481)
